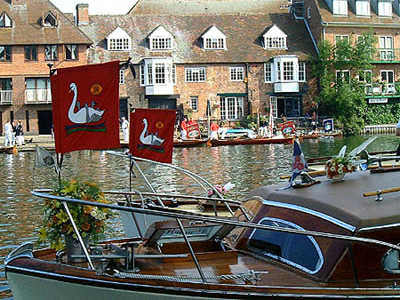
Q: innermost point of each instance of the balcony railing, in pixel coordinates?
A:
(386, 55)
(384, 89)
(37, 96)
(5, 97)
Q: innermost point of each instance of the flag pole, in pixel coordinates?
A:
(60, 157)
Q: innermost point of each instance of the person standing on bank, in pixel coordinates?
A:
(214, 131)
(125, 129)
(8, 134)
(19, 134)
(183, 127)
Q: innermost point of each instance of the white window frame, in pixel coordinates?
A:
(276, 42)
(308, 12)
(118, 40)
(50, 17)
(288, 70)
(214, 44)
(73, 50)
(121, 76)
(194, 102)
(268, 72)
(232, 108)
(236, 73)
(142, 74)
(195, 74)
(161, 43)
(5, 20)
(385, 8)
(121, 44)
(386, 51)
(51, 52)
(365, 78)
(340, 7)
(302, 71)
(363, 8)
(214, 39)
(274, 104)
(341, 37)
(388, 79)
(340, 73)
(157, 71)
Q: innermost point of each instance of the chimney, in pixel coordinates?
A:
(82, 14)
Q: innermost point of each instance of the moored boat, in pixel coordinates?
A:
(254, 141)
(322, 241)
(189, 143)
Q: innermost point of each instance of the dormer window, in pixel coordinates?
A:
(340, 7)
(214, 39)
(160, 39)
(275, 38)
(5, 20)
(385, 8)
(50, 20)
(363, 8)
(118, 40)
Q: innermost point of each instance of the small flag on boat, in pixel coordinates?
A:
(152, 134)
(86, 107)
(299, 162)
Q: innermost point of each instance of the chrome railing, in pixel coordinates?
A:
(5, 97)
(37, 96)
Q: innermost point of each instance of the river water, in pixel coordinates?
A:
(247, 166)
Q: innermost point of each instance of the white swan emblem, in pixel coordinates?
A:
(149, 139)
(86, 114)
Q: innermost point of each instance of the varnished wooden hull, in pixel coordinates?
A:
(248, 141)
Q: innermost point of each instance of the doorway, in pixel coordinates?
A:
(45, 119)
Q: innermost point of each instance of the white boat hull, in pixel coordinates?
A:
(30, 287)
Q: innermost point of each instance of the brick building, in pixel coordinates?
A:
(34, 33)
(334, 20)
(236, 55)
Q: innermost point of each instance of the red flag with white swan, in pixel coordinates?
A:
(152, 134)
(86, 107)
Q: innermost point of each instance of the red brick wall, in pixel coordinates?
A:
(19, 69)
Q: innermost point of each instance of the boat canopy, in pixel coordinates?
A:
(343, 200)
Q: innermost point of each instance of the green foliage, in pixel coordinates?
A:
(344, 98)
(251, 121)
(382, 114)
(90, 220)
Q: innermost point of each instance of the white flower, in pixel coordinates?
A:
(333, 169)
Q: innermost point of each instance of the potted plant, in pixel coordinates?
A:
(90, 220)
(338, 166)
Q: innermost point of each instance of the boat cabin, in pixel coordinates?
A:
(337, 208)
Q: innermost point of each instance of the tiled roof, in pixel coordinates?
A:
(201, 7)
(27, 29)
(374, 20)
(243, 33)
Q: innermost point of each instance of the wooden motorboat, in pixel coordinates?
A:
(190, 143)
(255, 141)
(320, 242)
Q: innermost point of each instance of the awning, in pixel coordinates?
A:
(232, 94)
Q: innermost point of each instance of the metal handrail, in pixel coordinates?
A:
(217, 220)
(200, 180)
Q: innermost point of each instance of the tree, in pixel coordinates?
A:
(341, 93)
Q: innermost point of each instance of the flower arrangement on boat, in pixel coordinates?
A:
(90, 220)
(338, 166)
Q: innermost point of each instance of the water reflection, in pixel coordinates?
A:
(247, 167)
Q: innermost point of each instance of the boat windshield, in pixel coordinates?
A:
(300, 251)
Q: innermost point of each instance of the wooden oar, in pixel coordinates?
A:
(391, 190)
